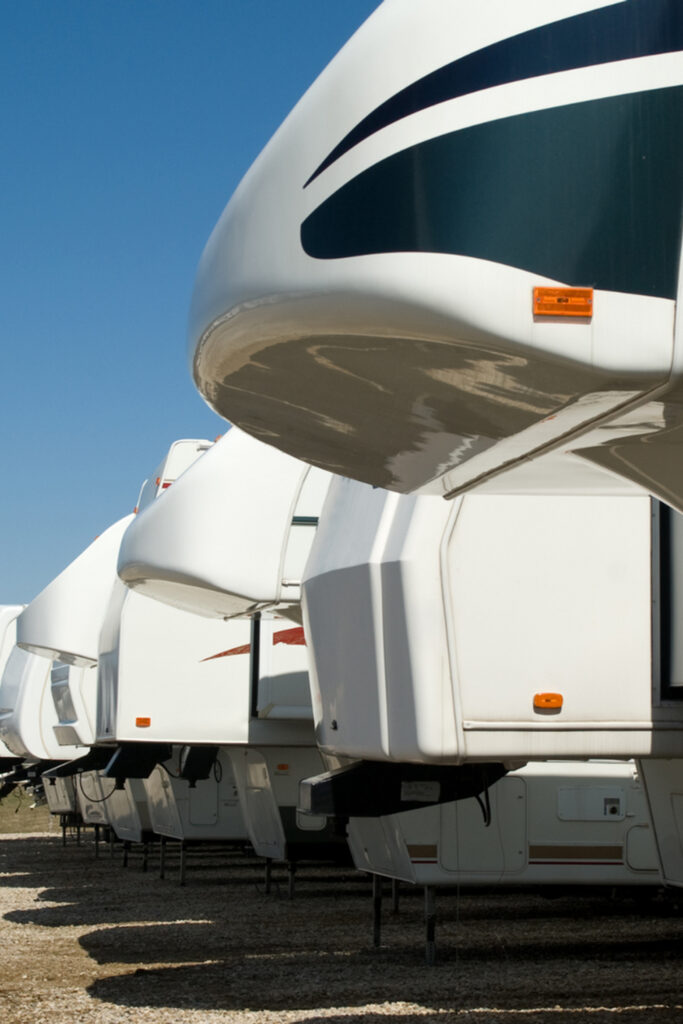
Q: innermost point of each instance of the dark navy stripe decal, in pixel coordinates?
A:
(586, 194)
(635, 28)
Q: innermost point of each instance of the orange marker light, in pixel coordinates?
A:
(563, 302)
(543, 701)
(283, 767)
(143, 723)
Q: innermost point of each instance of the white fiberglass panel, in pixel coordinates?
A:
(74, 694)
(261, 812)
(65, 619)
(420, 707)
(663, 782)
(342, 608)
(27, 712)
(551, 595)
(215, 541)
(8, 634)
(8, 631)
(60, 794)
(167, 675)
(373, 605)
(283, 686)
(93, 792)
(267, 780)
(436, 628)
(179, 457)
(128, 811)
(471, 847)
(209, 810)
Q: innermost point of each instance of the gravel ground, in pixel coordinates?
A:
(84, 939)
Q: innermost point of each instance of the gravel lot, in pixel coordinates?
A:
(84, 939)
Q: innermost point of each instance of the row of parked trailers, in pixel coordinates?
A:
(454, 273)
(181, 704)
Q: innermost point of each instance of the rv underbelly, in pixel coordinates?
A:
(550, 824)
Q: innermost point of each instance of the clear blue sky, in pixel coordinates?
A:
(125, 126)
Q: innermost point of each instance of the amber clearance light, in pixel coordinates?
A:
(545, 701)
(563, 302)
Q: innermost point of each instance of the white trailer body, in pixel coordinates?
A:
(170, 677)
(437, 630)
(367, 299)
(63, 622)
(462, 251)
(167, 676)
(92, 796)
(247, 558)
(208, 810)
(74, 694)
(61, 794)
(124, 809)
(8, 637)
(559, 823)
(27, 712)
(128, 810)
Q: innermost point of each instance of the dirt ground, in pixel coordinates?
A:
(85, 939)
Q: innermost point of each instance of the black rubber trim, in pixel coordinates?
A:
(255, 663)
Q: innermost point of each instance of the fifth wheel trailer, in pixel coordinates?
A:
(461, 249)
(245, 564)
(460, 255)
(65, 620)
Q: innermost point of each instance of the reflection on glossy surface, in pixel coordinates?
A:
(394, 412)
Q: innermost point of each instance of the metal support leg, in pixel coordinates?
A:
(145, 855)
(291, 871)
(78, 833)
(395, 895)
(268, 873)
(97, 840)
(126, 851)
(111, 843)
(63, 817)
(376, 910)
(430, 923)
(162, 857)
(182, 862)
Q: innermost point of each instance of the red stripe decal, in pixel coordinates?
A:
(293, 637)
(244, 649)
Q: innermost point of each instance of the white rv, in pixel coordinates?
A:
(461, 279)
(451, 253)
(66, 620)
(27, 713)
(230, 541)
(63, 623)
(8, 635)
